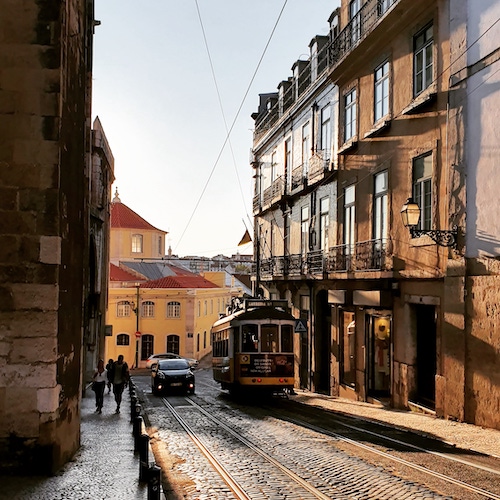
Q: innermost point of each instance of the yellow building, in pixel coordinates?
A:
(153, 306)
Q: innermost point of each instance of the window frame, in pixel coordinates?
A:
(137, 243)
(326, 131)
(350, 115)
(426, 50)
(422, 187)
(125, 307)
(173, 309)
(123, 339)
(381, 207)
(148, 309)
(349, 219)
(381, 91)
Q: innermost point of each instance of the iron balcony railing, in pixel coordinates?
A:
(327, 57)
(358, 27)
(371, 255)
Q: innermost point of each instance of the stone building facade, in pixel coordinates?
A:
(45, 170)
(401, 314)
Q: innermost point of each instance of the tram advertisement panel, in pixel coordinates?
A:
(266, 365)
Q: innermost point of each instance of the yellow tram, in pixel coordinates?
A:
(252, 347)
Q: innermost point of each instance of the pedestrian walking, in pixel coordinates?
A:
(120, 378)
(99, 384)
(109, 366)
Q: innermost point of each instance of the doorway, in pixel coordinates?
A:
(426, 355)
(379, 333)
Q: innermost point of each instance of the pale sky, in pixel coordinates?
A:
(154, 92)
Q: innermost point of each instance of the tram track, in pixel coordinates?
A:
(393, 442)
(230, 480)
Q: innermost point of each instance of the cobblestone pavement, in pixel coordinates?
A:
(104, 468)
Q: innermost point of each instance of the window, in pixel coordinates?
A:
(381, 91)
(269, 338)
(306, 146)
(123, 309)
(205, 339)
(174, 310)
(249, 338)
(173, 344)
(355, 19)
(122, 339)
(286, 338)
(422, 189)
(349, 219)
(148, 309)
(197, 342)
(423, 64)
(274, 167)
(137, 243)
(147, 346)
(326, 132)
(288, 161)
(205, 308)
(380, 207)
(304, 230)
(350, 115)
(383, 6)
(324, 220)
(161, 249)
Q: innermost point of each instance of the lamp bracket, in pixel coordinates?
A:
(441, 237)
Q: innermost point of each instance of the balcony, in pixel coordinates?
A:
(298, 178)
(360, 25)
(318, 165)
(371, 255)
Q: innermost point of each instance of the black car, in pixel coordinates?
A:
(172, 375)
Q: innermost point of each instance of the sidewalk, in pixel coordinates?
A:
(105, 467)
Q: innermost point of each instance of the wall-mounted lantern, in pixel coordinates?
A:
(410, 214)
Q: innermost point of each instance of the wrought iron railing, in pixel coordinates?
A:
(359, 26)
(371, 255)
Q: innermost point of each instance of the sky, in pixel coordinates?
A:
(170, 79)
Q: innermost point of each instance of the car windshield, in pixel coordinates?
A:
(173, 364)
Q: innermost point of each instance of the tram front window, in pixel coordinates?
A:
(249, 338)
(286, 338)
(269, 338)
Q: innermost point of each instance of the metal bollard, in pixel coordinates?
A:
(133, 402)
(143, 457)
(137, 431)
(154, 482)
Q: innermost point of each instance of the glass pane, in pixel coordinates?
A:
(286, 338)
(269, 338)
(249, 338)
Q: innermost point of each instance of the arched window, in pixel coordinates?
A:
(174, 310)
(137, 243)
(123, 339)
(147, 346)
(148, 309)
(173, 344)
(123, 309)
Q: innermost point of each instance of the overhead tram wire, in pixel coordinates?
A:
(220, 104)
(234, 120)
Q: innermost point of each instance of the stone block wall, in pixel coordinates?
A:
(44, 103)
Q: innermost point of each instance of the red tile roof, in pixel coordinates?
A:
(118, 274)
(180, 282)
(124, 217)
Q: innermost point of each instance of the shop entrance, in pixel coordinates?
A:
(379, 326)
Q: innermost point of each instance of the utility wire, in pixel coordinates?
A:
(234, 121)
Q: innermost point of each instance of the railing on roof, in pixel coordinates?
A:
(327, 57)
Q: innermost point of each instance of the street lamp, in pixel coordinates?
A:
(410, 213)
(135, 308)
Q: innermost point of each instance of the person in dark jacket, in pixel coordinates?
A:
(109, 366)
(119, 378)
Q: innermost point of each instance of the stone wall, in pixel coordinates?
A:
(45, 60)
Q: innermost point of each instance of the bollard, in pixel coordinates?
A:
(133, 402)
(143, 457)
(154, 482)
(137, 431)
